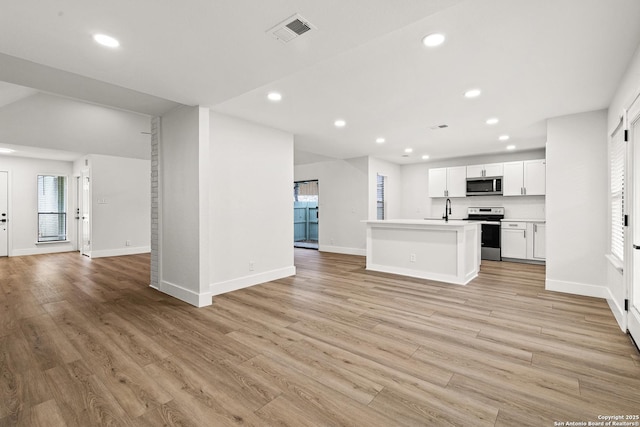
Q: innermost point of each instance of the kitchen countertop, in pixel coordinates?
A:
(523, 220)
(421, 222)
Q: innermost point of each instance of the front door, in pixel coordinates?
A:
(4, 214)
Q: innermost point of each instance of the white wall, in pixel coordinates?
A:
(251, 204)
(23, 207)
(627, 91)
(416, 203)
(181, 271)
(343, 200)
(36, 121)
(577, 200)
(120, 206)
(392, 190)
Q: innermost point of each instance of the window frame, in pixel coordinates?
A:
(617, 193)
(62, 237)
(381, 202)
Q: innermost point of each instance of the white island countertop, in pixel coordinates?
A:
(437, 222)
(446, 251)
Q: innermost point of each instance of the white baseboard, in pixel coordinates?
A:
(343, 250)
(186, 295)
(247, 281)
(44, 249)
(120, 251)
(618, 312)
(577, 288)
(447, 278)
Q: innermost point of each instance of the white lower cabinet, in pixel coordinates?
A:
(524, 240)
(514, 239)
(538, 240)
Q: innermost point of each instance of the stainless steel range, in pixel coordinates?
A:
(490, 220)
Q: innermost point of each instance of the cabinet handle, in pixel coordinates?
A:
(524, 234)
(535, 228)
(525, 191)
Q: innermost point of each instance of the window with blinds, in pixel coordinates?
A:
(618, 157)
(52, 203)
(380, 197)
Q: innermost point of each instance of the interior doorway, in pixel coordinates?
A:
(306, 215)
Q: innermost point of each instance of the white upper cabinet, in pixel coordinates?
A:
(494, 169)
(513, 179)
(526, 178)
(475, 171)
(448, 182)
(438, 182)
(480, 171)
(535, 182)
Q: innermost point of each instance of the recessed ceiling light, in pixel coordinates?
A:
(425, 157)
(511, 147)
(274, 96)
(472, 93)
(6, 150)
(106, 40)
(340, 123)
(503, 137)
(492, 121)
(433, 40)
(408, 150)
(380, 140)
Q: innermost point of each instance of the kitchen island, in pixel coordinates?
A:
(427, 249)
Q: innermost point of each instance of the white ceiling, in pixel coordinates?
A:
(364, 63)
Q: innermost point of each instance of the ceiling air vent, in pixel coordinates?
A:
(290, 28)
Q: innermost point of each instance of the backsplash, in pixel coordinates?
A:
(529, 207)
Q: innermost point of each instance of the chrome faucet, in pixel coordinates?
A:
(447, 210)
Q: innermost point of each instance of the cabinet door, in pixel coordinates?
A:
(475, 171)
(539, 240)
(437, 182)
(535, 177)
(457, 181)
(494, 169)
(514, 240)
(512, 180)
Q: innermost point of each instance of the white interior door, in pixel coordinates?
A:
(4, 213)
(77, 213)
(86, 214)
(633, 315)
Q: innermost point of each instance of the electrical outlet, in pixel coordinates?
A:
(251, 266)
(412, 258)
(127, 243)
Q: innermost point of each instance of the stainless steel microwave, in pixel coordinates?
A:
(484, 186)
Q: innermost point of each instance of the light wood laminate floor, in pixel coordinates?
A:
(87, 342)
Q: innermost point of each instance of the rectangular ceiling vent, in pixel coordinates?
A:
(290, 28)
